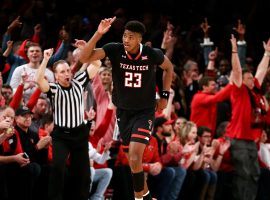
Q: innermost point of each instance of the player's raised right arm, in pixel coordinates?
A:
(89, 52)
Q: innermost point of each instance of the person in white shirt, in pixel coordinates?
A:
(100, 177)
(34, 53)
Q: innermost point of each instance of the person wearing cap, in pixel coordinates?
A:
(26, 146)
(31, 144)
(170, 154)
(134, 81)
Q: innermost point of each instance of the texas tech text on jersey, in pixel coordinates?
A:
(134, 67)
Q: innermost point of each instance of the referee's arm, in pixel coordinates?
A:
(41, 81)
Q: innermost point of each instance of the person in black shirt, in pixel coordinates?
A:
(70, 133)
(133, 73)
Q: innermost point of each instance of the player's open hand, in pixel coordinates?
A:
(105, 25)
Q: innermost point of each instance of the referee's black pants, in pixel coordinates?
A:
(72, 143)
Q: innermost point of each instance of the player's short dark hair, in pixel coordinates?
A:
(135, 26)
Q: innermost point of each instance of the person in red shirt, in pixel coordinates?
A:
(204, 103)
(243, 127)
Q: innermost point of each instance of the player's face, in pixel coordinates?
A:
(131, 41)
(63, 74)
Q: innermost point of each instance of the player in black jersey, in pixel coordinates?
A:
(133, 73)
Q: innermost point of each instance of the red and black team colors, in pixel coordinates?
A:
(133, 73)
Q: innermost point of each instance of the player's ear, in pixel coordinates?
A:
(140, 38)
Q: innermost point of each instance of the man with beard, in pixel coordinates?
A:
(170, 154)
(38, 113)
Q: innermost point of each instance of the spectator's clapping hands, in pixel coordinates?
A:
(44, 142)
(189, 148)
(107, 146)
(155, 168)
(224, 147)
(174, 147)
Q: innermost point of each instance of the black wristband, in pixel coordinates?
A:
(165, 94)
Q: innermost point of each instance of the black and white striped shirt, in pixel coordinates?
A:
(68, 103)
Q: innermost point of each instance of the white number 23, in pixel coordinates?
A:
(133, 80)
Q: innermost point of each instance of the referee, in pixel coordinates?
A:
(70, 135)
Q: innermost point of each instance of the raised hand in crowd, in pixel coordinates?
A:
(212, 57)
(63, 34)
(16, 23)
(28, 84)
(213, 54)
(37, 29)
(9, 48)
(240, 29)
(91, 114)
(205, 28)
(169, 39)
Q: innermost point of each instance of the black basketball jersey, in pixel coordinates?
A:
(134, 79)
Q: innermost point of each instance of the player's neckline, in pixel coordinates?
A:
(138, 55)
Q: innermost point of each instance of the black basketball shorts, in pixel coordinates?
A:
(135, 125)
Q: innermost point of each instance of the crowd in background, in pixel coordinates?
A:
(189, 155)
